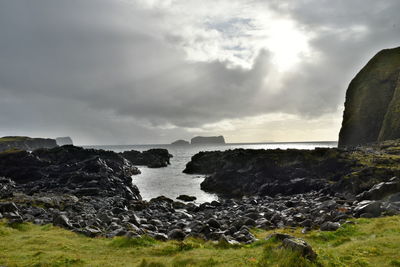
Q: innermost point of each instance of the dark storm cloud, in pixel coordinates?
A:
(109, 72)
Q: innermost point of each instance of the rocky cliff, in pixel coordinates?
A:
(25, 143)
(207, 140)
(62, 141)
(372, 107)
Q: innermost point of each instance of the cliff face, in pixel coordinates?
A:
(62, 141)
(372, 107)
(25, 143)
(208, 140)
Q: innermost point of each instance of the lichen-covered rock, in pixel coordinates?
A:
(372, 107)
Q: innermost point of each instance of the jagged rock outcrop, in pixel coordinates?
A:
(372, 107)
(70, 170)
(271, 172)
(25, 143)
(152, 158)
(198, 140)
(268, 172)
(62, 141)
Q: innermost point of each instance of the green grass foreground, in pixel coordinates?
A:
(369, 242)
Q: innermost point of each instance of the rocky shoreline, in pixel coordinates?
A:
(90, 191)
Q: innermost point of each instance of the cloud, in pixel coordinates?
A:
(154, 71)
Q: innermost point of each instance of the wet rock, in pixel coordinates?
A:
(7, 187)
(13, 217)
(381, 190)
(153, 158)
(186, 198)
(8, 207)
(394, 198)
(370, 207)
(213, 223)
(90, 231)
(61, 220)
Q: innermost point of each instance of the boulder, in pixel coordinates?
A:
(330, 226)
(381, 190)
(301, 246)
(7, 187)
(368, 207)
(8, 207)
(61, 220)
(213, 223)
(176, 234)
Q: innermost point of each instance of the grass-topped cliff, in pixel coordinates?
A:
(372, 107)
(368, 242)
(25, 143)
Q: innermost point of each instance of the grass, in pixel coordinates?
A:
(368, 242)
(13, 138)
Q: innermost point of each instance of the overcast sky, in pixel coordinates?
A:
(153, 71)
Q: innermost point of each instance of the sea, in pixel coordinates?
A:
(172, 182)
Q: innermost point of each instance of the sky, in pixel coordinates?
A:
(154, 71)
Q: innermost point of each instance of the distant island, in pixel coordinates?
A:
(200, 140)
(62, 141)
(180, 143)
(207, 140)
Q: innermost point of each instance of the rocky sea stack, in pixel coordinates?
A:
(372, 108)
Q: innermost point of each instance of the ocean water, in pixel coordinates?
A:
(171, 182)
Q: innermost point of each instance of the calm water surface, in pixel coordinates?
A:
(171, 182)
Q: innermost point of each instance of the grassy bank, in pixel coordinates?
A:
(369, 242)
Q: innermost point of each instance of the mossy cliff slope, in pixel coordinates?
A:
(25, 143)
(372, 107)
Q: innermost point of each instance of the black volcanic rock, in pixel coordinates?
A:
(199, 140)
(272, 172)
(180, 143)
(25, 143)
(62, 141)
(372, 107)
(71, 170)
(267, 172)
(152, 158)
